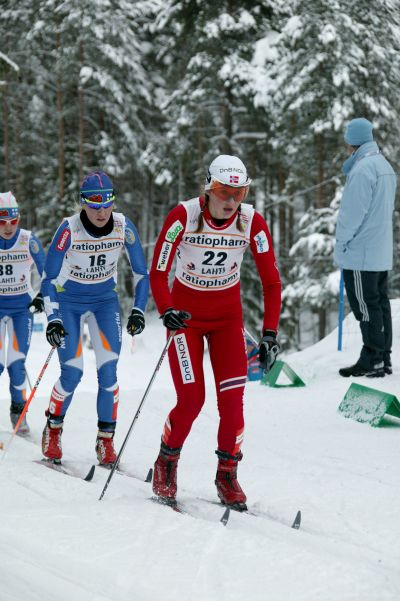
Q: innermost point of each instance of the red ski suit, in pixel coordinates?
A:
(207, 285)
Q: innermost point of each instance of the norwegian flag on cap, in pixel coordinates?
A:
(228, 170)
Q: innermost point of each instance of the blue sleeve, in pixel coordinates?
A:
(37, 253)
(138, 264)
(55, 256)
(354, 207)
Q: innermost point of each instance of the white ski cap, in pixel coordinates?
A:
(8, 205)
(228, 170)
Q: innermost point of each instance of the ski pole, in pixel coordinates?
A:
(274, 349)
(28, 379)
(249, 335)
(116, 463)
(25, 409)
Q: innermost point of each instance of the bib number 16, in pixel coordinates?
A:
(101, 260)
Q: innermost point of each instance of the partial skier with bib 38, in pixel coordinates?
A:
(209, 235)
(19, 250)
(79, 283)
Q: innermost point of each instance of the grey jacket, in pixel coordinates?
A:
(364, 229)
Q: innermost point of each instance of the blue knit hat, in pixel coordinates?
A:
(358, 132)
(97, 190)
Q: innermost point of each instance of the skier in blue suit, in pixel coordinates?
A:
(79, 283)
(19, 249)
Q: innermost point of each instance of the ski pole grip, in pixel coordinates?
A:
(185, 315)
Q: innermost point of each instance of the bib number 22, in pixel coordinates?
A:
(211, 256)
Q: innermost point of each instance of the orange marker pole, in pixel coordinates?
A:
(25, 409)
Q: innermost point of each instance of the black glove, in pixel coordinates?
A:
(268, 350)
(136, 322)
(55, 333)
(174, 319)
(37, 304)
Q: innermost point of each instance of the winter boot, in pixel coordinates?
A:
(228, 488)
(164, 478)
(106, 454)
(51, 441)
(388, 367)
(15, 411)
(377, 371)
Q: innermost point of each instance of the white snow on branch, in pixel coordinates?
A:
(7, 60)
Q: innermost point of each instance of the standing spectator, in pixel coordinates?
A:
(364, 246)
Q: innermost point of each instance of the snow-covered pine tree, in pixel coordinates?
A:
(336, 60)
(82, 97)
(314, 282)
(8, 70)
(208, 48)
(207, 54)
(21, 105)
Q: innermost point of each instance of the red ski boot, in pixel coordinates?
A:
(51, 441)
(164, 478)
(228, 488)
(106, 454)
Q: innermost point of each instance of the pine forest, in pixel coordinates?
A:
(152, 90)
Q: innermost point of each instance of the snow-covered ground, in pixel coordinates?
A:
(58, 542)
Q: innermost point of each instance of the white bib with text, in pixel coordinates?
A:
(211, 259)
(15, 267)
(91, 260)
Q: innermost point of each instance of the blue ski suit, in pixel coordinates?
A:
(79, 284)
(17, 256)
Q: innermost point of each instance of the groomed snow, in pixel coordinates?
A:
(59, 543)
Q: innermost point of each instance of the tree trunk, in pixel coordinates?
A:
(321, 323)
(226, 141)
(291, 227)
(18, 163)
(6, 134)
(271, 212)
(143, 226)
(61, 127)
(282, 217)
(81, 105)
(321, 172)
(180, 179)
(151, 231)
(200, 145)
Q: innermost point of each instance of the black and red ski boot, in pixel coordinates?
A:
(51, 440)
(105, 451)
(164, 477)
(228, 488)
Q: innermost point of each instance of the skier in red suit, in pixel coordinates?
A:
(209, 236)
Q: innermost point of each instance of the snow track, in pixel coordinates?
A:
(58, 542)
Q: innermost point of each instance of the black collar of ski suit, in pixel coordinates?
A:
(93, 230)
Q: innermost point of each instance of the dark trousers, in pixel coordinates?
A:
(369, 301)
